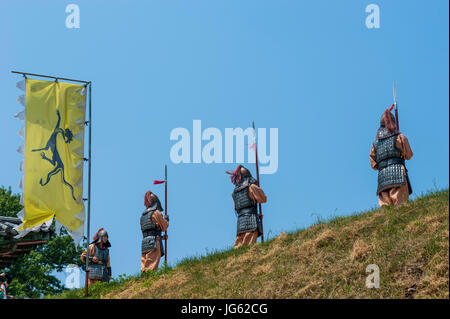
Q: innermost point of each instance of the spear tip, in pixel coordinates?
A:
(394, 90)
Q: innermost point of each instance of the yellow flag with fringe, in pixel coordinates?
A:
(54, 150)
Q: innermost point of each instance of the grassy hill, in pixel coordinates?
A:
(409, 244)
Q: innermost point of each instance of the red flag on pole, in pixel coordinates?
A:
(157, 182)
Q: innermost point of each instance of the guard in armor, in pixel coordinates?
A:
(99, 266)
(153, 223)
(388, 155)
(246, 195)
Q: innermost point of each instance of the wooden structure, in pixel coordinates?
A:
(10, 247)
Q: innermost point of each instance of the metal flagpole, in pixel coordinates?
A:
(50, 76)
(86, 84)
(89, 192)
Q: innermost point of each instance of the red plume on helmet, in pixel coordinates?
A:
(148, 199)
(236, 176)
(388, 120)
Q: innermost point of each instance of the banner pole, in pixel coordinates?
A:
(50, 77)
(89, 192)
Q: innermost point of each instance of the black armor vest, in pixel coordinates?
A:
(385, 146)
(240, 195)
(246, 209)
(389, 161)
(98, 270)
(150, 231)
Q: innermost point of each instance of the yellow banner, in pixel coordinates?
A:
(54, 151)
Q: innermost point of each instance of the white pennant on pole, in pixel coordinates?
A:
(21, 85)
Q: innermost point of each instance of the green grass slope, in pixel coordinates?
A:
(409, 244)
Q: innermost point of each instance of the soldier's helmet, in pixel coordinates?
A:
(239, 174)
(245, 172)
(158, 203)
(99, 235)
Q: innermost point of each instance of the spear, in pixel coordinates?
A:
(155, 182)
(396, 108)
(257, 179)
(165, 212)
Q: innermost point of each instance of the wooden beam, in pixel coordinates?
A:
(22, 247)
(35, 242)
(6, 254)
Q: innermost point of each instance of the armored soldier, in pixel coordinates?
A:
(99, 265)
(388, 155)
(246, 195)
(153, 223)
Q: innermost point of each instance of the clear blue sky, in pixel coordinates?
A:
(309, 68)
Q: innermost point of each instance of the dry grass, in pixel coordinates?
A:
(328, 260)
(360, 250)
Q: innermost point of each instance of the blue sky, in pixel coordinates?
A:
(312, 69)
